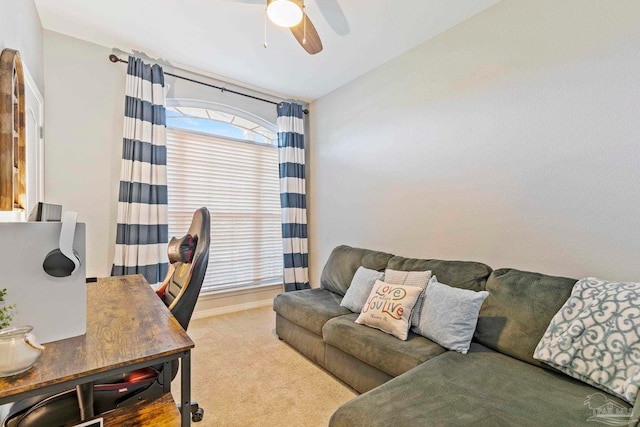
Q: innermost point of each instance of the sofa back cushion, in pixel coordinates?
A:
(518, 310)
(460, 274)
(343, 263)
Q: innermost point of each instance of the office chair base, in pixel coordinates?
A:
(197, 413)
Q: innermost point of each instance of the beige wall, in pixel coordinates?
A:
(84, 109)
(511, 139)
(20, 29)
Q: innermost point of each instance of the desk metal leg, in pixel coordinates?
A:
(185, 385)
(85, 400)
(166, 377)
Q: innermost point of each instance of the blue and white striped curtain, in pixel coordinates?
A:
(142, 231)
(293, 198)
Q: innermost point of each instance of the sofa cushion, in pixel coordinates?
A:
(380, 350)
(343, 263)
(481, 388)
(518, 310)
(460, 274)
(309, 308)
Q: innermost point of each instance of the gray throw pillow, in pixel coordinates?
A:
(449, 315)
(417, 309)
(360, 288)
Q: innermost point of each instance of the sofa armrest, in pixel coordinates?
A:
(635, 413)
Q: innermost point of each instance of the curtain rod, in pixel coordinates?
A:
(114, 58)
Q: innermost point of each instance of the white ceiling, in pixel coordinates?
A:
(225, 37)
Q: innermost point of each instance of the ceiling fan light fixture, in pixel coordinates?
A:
(285, 13)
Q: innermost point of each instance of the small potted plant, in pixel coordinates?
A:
(6, 311)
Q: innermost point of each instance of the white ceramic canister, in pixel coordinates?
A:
(19, 350)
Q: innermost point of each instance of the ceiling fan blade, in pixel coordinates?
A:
(309, 41)
(334, 16)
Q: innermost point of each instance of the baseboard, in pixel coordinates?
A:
(200, 314)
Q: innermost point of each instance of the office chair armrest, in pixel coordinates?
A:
(163, 287)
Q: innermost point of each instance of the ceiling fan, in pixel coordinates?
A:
(291, 14)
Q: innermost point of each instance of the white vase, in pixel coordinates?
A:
(19, 350)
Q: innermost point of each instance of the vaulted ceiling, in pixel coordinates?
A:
(225, 37)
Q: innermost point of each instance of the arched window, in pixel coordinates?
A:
(220, 120)
(227, 160)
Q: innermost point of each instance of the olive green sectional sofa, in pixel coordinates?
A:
(419, 383)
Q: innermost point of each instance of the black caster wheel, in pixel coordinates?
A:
(197, 415)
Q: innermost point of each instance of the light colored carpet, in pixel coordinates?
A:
(243, 375)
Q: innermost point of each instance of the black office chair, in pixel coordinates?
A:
(188, 257)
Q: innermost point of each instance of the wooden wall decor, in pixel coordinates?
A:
(13, 175)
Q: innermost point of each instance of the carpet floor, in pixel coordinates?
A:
(243, 375)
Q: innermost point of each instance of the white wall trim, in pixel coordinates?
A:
(224, 301)
(233, 292)
(201, 314)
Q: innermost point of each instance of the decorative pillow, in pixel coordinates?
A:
(449, 315)
(388, 308)
(407, 278)
(595, 337)
(417, 309)
(410, 278)
(360, 288)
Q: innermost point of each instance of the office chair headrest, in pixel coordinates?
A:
(182, 249)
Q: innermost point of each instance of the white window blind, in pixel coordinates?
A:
(239, 183)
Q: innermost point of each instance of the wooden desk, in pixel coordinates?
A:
(128, 327)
